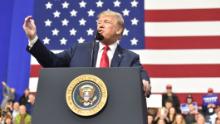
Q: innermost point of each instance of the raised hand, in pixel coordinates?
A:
(30, 27)
(3, 83)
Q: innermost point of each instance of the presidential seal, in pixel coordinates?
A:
(86, 95)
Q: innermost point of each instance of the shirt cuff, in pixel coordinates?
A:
(32, 42)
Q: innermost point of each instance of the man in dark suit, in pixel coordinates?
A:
(105, 53)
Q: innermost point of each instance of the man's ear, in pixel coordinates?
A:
(120, 31)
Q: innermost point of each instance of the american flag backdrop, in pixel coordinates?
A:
(178, 41)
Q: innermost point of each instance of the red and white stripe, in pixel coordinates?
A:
(183, 45)
(182, 40)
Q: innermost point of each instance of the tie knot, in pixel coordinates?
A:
(106, 48)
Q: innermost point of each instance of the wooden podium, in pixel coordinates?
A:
(125, 105)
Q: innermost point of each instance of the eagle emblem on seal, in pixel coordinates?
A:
(87, 95)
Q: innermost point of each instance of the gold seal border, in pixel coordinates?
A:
(74, 83)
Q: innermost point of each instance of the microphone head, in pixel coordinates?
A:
(99, 36)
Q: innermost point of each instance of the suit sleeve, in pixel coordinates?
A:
(48, 59)
(136, 63)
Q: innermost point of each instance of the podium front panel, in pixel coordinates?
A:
(125, 105)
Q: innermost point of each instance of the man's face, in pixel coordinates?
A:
(169, 90)
(168, 105)
(26, 92)
(107, 26)
(191, 108)
(22, 110)
(16, 106)
(189, 100)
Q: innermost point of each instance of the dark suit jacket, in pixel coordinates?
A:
(79, 55)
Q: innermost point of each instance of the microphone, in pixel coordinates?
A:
(99, 37)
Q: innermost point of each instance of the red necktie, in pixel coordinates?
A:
(104, 63)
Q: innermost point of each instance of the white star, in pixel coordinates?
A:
(55, 32)
(82, 22)
(82, 4)
(73, 12)
(134, 41)
(91, 12)
(47, 23)
(56, 14)
(46, 40)
(90, 32)
(65, 22)
(81, 40)
(99, 3)
(126, 31)
(63, 41)
(65, 5)
(134, 3)
(117, 3)
(48, 5)
(134, 21)
(73, 32)
(126, 12)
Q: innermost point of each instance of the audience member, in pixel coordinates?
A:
(24, 98)
(161, 121)
(213, 117)
(210, 102)
(161, 115)
(9, 106)
(171, 115)
(179, 119)
(1, 120)
(8, 94)
(8, 120)
(23, 117)
(170, 96)
(200, 119)
(168, 104)
(190, 116)
(218, 114)
(150, 119)
(217, 121)
(30, 103)
(189, 99)
(15, 111)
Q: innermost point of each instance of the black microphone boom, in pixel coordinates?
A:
(99, 37)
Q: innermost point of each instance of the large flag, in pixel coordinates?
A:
(178, 41)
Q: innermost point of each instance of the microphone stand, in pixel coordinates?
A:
(97, 37)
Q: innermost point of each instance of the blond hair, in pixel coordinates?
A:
(116, 15)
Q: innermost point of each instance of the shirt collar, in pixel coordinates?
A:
(112, 46)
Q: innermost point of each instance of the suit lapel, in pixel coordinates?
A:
(117, 57)
(96, 49)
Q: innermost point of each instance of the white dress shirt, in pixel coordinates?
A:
(110, 53)
(32, 42)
